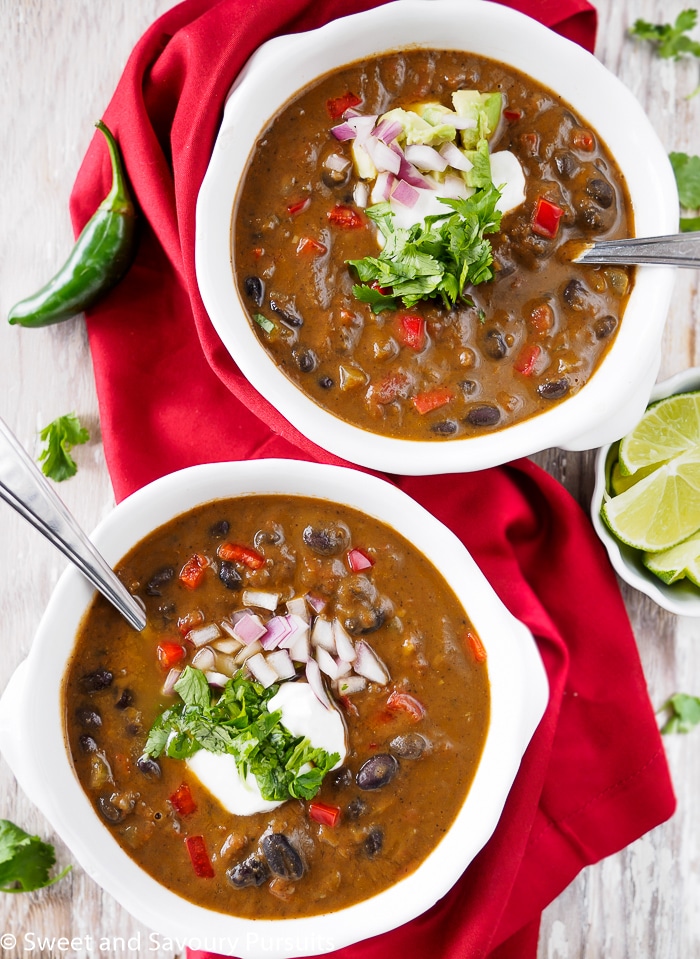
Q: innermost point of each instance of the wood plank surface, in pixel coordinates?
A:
(61, 61)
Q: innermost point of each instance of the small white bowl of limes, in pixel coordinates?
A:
(646, 501)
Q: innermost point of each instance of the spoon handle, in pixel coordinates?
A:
(681, 249)
(24, 487)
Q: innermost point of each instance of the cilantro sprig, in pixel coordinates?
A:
(687, 172)
(60, 436)
(25, 861)
(434, 259)
(239, 722)
(670, 39)
(683, 713)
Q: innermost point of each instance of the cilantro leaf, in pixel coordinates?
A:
(434, 259)
(685, 713)
(240, 723)
(25, 861)
(60, 436)
(670, 39)
(687, 172)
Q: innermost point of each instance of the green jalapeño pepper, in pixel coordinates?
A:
(101, 256)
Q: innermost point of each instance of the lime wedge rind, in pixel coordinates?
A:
(669, 427)
(679, 562)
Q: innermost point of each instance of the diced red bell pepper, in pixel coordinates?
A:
(170, 653)
(358, 560)
(199, 857)
(411, 331)
(432, 399)
(298, 206)
(476, 647)
(512, 115)
(192, 573)
(545, 220)
(583, 140)
(391, 388)
(405, 703)
(323, 813)
(258, 251)
(542, 318)
(346, 217)
(337, 106)
(526, 360)
(311, 247)
(182, 801)
(348, 705)
(237, 553)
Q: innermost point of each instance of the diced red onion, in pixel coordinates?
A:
(425, 157)
(344, 646)
(344, 669)
(406, 195)
(278, 628)
(382, 186)
(260, 597)
(322, 634)
(387, 130)
(248, 651)
(249, 628)
(204, 658)
(316, 602)
(226, 664)
(343, 131)
(454, 156)
(227, 645)
(362, 125)
(281, 662)
(347, 685)
(299, 647)
(360, 195)
(215, 678)
(369, 665)
(298, 607)
(203, 634)
(409, 173)
(383, 157)
(454, 186)
(326, 663)
(170, 680)
(315, 680)
(336, 162)
(262, 670)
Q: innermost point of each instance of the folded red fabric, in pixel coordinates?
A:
(595, 775)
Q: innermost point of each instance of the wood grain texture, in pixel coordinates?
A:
(61, 62)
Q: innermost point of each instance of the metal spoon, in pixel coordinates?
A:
(681, 249)
(24, 487)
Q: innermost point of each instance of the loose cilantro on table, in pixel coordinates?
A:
(60, 437)
(684, 713)
(239, 722)
(25, 861)
(687, 172)
(671, 40)
(436, 258)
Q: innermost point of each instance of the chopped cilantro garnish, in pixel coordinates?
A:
(263, 322)
(684, 713)
(60, 437)
(239, 722)
(25, 861)
(436, 258)
(670, 38)
(687, 172)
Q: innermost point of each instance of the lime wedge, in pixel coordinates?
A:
(668, 428)
(678, 562)
(660, 510)
(620, 483)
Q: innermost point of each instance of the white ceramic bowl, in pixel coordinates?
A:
(32, 734)
(682, 597)
(614, 398)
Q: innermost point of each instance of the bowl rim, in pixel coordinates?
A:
(35, 723)
(680, 598)
(632, 361)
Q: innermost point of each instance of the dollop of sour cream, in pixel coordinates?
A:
(302, 715)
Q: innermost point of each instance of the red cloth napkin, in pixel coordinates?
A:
(595, 776)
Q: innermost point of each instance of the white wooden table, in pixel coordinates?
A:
(60, 63)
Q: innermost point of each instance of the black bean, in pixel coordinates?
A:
(590, 217)
(575, 294)
(327, 540)
(305, 360)
(408, 746)
(97, 681)
(554, 390)
(495, 345)
(468, 387)
(160, 579)
(109, 811)
(87, 744)
(566, 165)
(272, 534)
(369, 621)
(336, 178)
(601, 192)
(282, 857)
(604, 326)
(444, 428)
(168, 611)
(251, 872)
(341, 778)
(255, 289)
(229, 575)
(377, 771)
(374, 842)
(325, 382)
(149, 767)
(355, 809)
(126, 699)
(483, 415)
(89, 718)
(220, 529)
(288, 316)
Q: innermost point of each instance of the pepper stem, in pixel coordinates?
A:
(118, 200)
